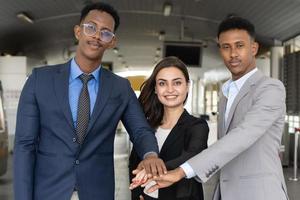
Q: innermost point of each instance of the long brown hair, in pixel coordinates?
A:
(151, 105)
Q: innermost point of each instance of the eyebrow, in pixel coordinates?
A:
(227, 43)
(175, 79)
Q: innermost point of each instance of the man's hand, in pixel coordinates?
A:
(168, 179)
(153, 165)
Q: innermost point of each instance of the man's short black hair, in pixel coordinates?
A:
(235, 22)
(101, 7)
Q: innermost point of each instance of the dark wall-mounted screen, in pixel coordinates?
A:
(189, 53)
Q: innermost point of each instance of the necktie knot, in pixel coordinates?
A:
(85, 78)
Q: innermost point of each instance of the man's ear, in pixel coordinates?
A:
(112, 43)
(255, 47)
(77, 31)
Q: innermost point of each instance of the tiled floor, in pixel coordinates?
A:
(121, 175)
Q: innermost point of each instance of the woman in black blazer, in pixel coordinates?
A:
(180, 136)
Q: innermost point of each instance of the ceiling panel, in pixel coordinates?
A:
(141, 22)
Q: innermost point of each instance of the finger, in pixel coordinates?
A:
(153, 169)
(147, 167)
(160, 168)
(146, 183)
(140, 166)
(132, 186)
(139, 180)
(141, 197)
(144, 179)
(141, 175)
(164, 168)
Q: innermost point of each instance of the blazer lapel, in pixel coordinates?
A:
(174, 134)
(104, 91)
(221, 120)
(61, 85)
(252, 80)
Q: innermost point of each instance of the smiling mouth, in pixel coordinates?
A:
(94, 45)
(171, 97)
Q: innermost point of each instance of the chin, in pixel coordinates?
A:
(94, 57)
(172, 105)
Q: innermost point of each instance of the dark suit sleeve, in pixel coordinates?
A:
(141, 135)
(26, 136)
(195, 142)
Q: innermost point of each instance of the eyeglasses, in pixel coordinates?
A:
(91, 30)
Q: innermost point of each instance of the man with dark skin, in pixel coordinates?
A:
(53, 157)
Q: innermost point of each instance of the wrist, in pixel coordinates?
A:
(151, 155)
(180, 173)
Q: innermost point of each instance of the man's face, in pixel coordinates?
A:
(91, 47)
(238, 51)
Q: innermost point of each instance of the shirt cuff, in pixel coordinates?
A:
(188, 170)
(148, 153)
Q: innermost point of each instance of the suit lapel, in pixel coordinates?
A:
(221, 120)
(175, 133)
(252, 80)
(104, 91)
(61, 85)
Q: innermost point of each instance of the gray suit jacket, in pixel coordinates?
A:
(247, 154)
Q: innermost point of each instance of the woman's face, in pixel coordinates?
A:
(171, 87)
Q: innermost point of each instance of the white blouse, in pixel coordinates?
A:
(161, 135)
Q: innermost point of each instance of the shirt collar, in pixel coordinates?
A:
(76, 71)
(238, 83)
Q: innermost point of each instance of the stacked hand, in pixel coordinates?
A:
(153, 165)
(150, 167)
(162, 181)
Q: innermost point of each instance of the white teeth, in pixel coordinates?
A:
(171, 97)
(94, 44)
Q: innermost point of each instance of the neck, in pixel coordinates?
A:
(171, 116)
(86, 65)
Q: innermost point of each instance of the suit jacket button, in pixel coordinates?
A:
(74, 139)
(77, 162)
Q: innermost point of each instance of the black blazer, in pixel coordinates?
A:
(187, 138)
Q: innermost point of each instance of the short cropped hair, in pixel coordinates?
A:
(101, 7)
(235, 22)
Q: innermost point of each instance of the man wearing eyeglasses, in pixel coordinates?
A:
(67, 118)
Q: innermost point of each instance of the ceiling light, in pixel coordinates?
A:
(25, 17)
(161, 35)
(116, 50)
(158, 50)
(167, 9)
(120, 57)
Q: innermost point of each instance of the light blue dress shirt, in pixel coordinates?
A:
(75, 86)
(230, 89)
